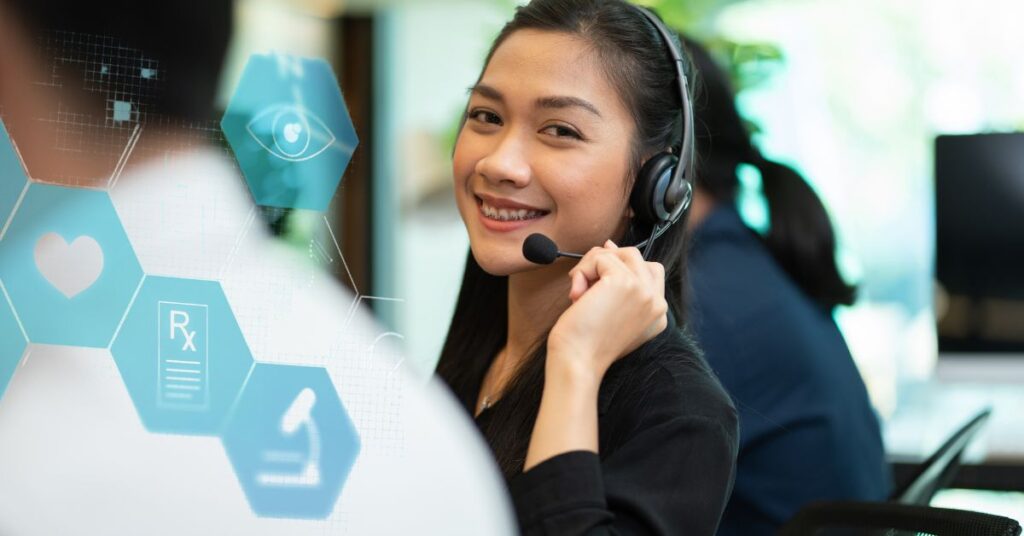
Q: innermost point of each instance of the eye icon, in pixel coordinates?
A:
(290, 132)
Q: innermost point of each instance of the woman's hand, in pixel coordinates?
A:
(618, 304)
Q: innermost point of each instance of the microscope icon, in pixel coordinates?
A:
(307, 471)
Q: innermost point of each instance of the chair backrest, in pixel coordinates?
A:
(860, 518)
(938, 470)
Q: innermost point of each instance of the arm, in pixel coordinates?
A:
(567, 418)
(618, 304)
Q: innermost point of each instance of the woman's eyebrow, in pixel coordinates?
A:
(561, 101)
(487, 92)
(567, 102)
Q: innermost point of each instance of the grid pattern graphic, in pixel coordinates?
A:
(96, 69)
(199, 228)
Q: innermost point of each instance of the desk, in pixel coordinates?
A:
(928, 413)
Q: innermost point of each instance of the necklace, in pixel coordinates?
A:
(490, 398)
(485, 403)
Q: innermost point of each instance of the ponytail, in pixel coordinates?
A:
(801, 237)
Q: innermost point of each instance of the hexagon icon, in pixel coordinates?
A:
(290, 130)
(12, 175)
(182, 356)
(12, 344)
(291, 442)
(68, 266)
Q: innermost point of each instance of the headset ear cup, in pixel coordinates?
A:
(648, 197)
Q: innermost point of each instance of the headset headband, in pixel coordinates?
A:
(686, 144)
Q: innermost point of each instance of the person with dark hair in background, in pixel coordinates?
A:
(761, 311)
(77, 77)
(600, 411)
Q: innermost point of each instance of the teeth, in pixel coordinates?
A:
(502, 214)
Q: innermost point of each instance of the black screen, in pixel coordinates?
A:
(979, 194)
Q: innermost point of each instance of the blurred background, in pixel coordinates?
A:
(885, 106)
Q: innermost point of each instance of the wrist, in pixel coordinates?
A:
(572, 370)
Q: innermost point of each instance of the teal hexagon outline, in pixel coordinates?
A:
(276, 404)
(12, 187)
(13, 341)
(290, 130)
(75, 313)
(182, 356)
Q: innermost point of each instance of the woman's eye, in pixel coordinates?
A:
(561, 131)
(484, 116)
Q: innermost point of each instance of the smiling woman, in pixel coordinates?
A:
(600, 411)
(535, 119)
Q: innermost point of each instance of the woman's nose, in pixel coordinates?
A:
(507, 163)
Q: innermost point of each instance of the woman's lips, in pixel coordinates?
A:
(502, 219)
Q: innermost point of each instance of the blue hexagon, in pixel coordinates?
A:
(291, 442)
(290, 129)
(68, 266)
(12, 175)
(182, 355)
(12, 344)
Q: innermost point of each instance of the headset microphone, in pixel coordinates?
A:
(539, 249)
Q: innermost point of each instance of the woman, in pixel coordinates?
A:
(600, 412)
(761, 311)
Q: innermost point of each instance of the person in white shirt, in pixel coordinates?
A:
(75, 454)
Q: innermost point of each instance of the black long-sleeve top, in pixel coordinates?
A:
(667, 452)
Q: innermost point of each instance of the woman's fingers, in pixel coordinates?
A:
(632, 258)
(584, 274)
(579, 286)
(591, 264)
(657, 271)
(649, 274)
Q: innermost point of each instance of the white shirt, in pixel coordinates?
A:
(76, 459)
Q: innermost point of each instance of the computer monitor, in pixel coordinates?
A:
(979, 211)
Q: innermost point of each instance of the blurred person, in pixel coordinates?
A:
(600, 411)
(761, 311)
(76, 455)
(67, 62)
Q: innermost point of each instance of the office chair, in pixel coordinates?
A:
(939, 469)
(891, 519)
(907, 511)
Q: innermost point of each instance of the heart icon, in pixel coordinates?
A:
(70, 268)
(292, 131)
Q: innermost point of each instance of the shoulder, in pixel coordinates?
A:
(751, 318)
(737, 278)
(784, 337)
(665, 380)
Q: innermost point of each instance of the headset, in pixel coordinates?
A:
(663, 192)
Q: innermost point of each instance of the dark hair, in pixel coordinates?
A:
(187, 39)
(636, 61)
(800, 237)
